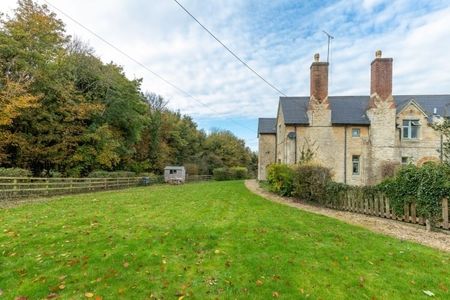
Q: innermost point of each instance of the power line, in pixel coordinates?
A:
(229, 50)
(180, 90)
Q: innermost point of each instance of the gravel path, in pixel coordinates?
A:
(403, 231)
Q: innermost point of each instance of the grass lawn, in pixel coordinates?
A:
(203, 241)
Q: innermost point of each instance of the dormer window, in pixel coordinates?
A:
(410, 129)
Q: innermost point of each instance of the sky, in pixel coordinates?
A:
(277, 38)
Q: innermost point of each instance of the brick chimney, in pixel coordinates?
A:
(319, 79)
(381, 77)
(319, 112)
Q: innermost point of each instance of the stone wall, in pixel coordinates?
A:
(266, 153)
(426, 146)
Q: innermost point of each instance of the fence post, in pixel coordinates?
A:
(46, 187)
(445, 213)
(15, 187)
(413, 213)
(406, 213)
(388, 209)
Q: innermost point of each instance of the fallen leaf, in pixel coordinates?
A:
(216, 251)
(21, 298)
(259, 282)
(275, 295)
(62, 286)
(1, 292)
(52, 296)
(126, 264)
(88, 295)
(429, 293)
(181, 298)
(98, 298)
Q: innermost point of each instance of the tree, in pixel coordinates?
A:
(444, 128)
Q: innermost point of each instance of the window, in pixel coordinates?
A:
(405, 160)
(410, 129)
(355, 164)
(173, 171)
(356, 132)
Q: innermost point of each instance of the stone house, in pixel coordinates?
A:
(355, 136)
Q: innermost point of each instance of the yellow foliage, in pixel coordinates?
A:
(14, 98)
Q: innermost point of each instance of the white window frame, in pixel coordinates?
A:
(408, 129)
(357, 131)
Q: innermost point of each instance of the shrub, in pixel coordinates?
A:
(334, 190)
(221, 174)
(426, 186)
(106, 174)
(239, 172)
(14, 172)
(310, 182)
(280, 178)
(389, 168)
(402, 189)
(192, 169)
(153, 177)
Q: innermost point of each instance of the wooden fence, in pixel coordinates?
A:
(26, 187)
(194, 178)
(23, 187)
(378, 205)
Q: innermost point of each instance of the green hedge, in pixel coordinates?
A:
(106, 174)
(15, 172)
(280, 179)
(234, 173)
(426, 186)
(310, 182)
(239, 172)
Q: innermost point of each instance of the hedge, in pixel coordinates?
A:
(233, 173)
(15, 172)
(310, 182)
(280, 179)
(106, 174)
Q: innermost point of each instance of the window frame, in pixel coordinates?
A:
(356, 160)
(408, 129)
(358, 131)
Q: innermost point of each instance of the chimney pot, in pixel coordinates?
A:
(378, 54)
(316, 57)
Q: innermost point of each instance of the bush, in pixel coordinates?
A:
(310, 182)
(280, 178)
(14, 172)
(239, 172)
(389, 168)
(234, 173)
(221, 174)
(192, 169)
(153, 177)
(106, 174)
(426, 186)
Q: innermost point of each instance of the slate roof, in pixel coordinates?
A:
(351, 110)
(267, 125)
(427, 103)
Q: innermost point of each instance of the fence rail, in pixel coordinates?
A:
(23, 187)
(193, 178)
(379, 206)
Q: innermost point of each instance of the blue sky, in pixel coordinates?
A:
(278, 38)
